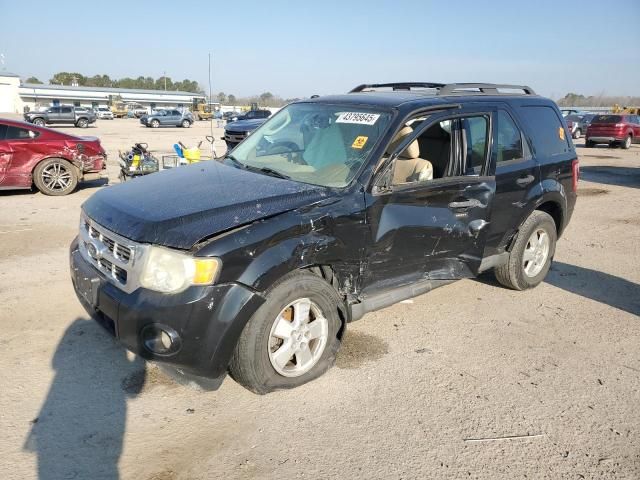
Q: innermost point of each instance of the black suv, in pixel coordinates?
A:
(64, 115)
(335, 207)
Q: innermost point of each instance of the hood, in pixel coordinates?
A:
(181, 206)
(245, 125)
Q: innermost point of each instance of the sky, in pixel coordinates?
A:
(301, 48)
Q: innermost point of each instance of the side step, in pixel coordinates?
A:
(379, 301)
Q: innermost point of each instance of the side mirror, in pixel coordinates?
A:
(383, 182)
(32, 134)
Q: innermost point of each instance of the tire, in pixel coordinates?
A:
(518, 275)
(82, 123)
(589, 144)
(256, 354)
(577, 134)
(154, 124)
(186, 124)
(39, 122)
(55, 177)
(626, 143)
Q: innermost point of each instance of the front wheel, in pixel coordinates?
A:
(531, 255)
(292, 338)
(39, 122)
(589, 144)
(577, 134)
(155, 123)
(82, 123)
(55, 176)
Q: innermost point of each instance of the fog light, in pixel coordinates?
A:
(160, 340)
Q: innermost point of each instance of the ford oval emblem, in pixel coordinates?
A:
(92, 251)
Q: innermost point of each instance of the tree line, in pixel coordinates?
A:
(146, 83)
(601, 100)
(266, 99)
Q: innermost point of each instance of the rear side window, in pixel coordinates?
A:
(65, 110)
(476, 133)
(547, 131)
(509, 144)
(15, 133)
(3, 131)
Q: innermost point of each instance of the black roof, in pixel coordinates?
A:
(426, 94)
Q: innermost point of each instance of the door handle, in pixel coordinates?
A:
(523, 181)
(473, 202)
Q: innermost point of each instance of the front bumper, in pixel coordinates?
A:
(208, 320)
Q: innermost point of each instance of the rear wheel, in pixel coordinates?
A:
(186, 124)
(531, 255)
(626, 143)
(55, 176)
(292, 338)
(39, 122)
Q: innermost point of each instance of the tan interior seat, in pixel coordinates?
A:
(409, 167)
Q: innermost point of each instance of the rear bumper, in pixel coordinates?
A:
(206, 321)
(605, 139)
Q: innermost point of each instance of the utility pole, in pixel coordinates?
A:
(164, 74)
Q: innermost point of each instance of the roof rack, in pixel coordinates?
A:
(482, 88)
(450, 88)
(397, 86)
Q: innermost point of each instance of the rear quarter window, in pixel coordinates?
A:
(547, 131)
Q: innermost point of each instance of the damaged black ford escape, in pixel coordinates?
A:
(336, 206)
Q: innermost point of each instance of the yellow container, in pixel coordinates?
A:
(191, 155)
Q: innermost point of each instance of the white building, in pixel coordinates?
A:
(15, 96)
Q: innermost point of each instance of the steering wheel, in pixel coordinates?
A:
(285, 147)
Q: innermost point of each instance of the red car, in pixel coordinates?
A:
(613, 130)
(52, 161)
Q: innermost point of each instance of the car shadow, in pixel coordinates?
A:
(100, 182)
(602, 287)
(80, 428)
(611, 175)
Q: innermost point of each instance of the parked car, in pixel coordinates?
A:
(250, 115)
(335, 207)
(64, 115)
(53, 161)
(173, 118)
(578, 124)
(228, 116)
(570, 111)
(235, 132)
(104, 113)
(614, 130)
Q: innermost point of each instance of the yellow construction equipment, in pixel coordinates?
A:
(626, 110)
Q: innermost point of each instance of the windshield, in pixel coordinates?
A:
(314, 143)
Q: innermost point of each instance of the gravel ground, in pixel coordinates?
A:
(468, 381)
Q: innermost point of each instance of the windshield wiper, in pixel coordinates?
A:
(268, 171)
(235, 161)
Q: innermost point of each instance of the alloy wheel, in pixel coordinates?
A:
(298, 338)
(56, 177)
(536, 252)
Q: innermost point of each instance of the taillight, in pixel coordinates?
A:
(575, 172)
(619, 125)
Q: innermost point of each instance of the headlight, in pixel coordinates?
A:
(168, 271)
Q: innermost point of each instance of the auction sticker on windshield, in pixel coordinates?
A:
(358, 118)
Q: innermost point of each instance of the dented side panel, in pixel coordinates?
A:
(426, 231)
(331, 233)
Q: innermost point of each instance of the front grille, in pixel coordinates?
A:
(119, 251)
(111, 254)
(234, 136)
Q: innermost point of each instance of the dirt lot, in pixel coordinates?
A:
(471, 380)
